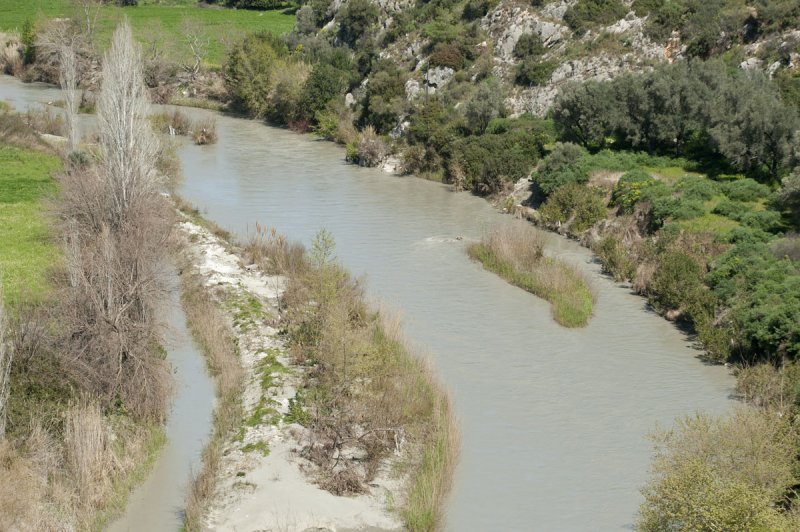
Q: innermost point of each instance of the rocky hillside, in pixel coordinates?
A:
(535, 47)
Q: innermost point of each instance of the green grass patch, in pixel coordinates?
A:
(163, 21)
(709, 223)
(26, 249)
(556, 282)
(261, 446)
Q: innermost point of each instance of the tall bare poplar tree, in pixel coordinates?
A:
(116, 226)
(128, 142)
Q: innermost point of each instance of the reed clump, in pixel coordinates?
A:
(205, 132)
(516, 253)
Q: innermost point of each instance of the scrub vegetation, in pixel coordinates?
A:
(684, 179)
(83, 381)
(366, 393)
(516, 253)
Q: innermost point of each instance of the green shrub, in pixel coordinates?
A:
(629, 188)
(745, 190)
(356, 19)
(529, 45)
(587, 13)
(670, 208)
(249, 71)
(789, 197)
(325, 83)
(475, 9)
(675, 281)
(734, 210)
(490, 161)
(697, 188)
(565, 164)
(386, 97)
(484, 106)
(576, 206)
(615, 259)
(533, 71)
(447, 55)
(764, 220)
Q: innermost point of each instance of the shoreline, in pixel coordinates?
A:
(259, 462)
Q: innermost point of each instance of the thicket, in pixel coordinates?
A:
(711, 27)
(88, 382)
(731, 121)
(585, 14)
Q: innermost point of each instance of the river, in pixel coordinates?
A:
(554, 421)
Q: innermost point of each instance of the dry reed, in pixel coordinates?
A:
(516, 253)
(210, 328)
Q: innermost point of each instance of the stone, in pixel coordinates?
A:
(412, 89)
(438, 77)
(752, 63)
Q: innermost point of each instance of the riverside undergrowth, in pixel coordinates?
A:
(516, 253)
(367, 395)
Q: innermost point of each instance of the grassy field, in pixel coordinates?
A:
(26, 252)
(160, 21)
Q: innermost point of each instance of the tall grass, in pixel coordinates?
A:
(516, 253)
(209, 327)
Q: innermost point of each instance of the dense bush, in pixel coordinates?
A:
(249, 71)
(484, 106)
(586, 13)
(763, 293)
(386, 97)
(727, 474)
(676, 281)
(667, 208)
(533, 71)
(325, 83)
(529, 45)
(565, 164)
(731, 209)
(491, 160)
(745, 190)
(628, 189)
(615, 259)
(447, 55)
(475, 9)
(697, 187)
(699, 109)
(356, 18)
(789, 197)
(576, 206)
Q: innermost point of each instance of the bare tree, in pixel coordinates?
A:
(129, 145)
(116, 227)
(5, 367)
(87, 12)
(68, 79)
(197, 42)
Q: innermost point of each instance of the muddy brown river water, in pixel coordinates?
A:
(554, 421)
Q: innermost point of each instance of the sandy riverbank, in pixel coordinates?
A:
(262, 485)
